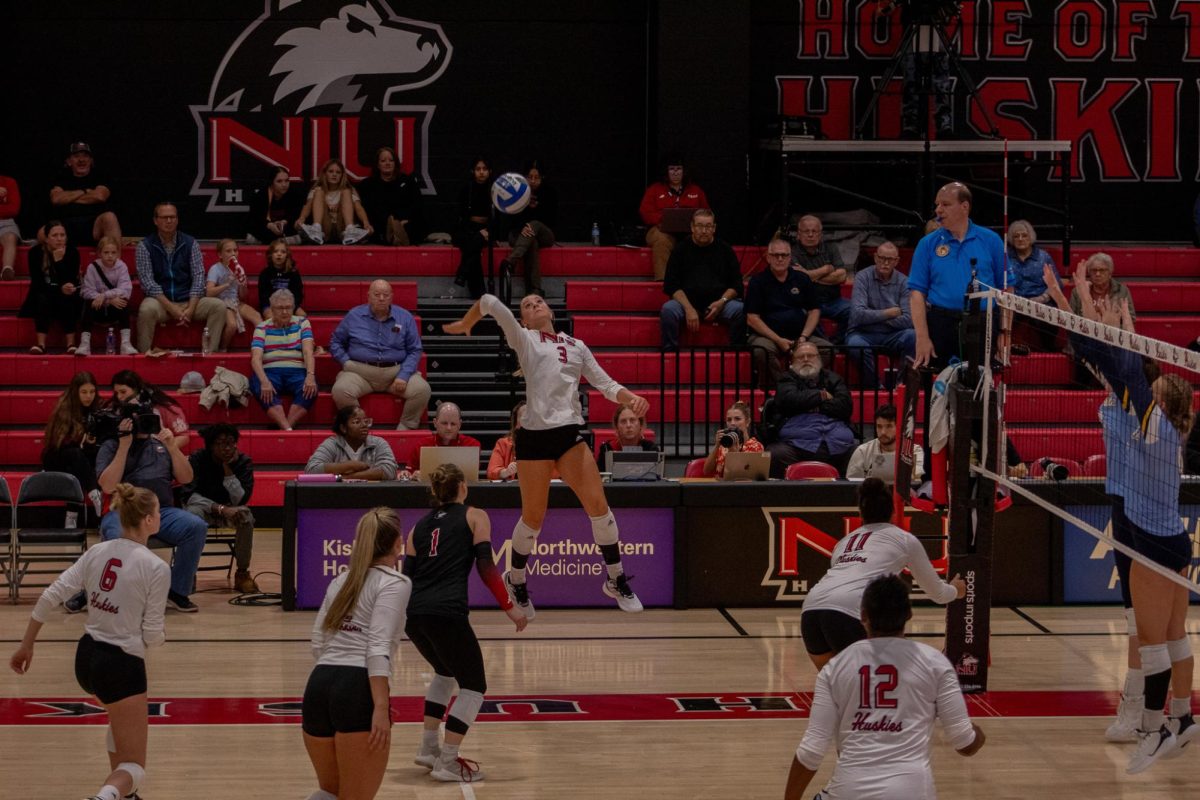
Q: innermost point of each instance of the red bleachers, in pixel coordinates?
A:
(646, 367)
(1075, 443)
(643, 331)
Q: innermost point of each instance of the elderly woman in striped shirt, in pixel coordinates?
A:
(281, 358)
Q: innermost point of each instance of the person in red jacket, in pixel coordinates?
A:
(10, 235)
(675, 191)
(447, 424)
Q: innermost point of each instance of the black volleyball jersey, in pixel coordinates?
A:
(445, 554)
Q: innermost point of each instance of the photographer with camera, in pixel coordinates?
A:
(146, 454)
(70, 446)
(815, 406)
(735, 437)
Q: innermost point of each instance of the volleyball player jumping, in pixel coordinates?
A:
(126, 586)
(549, 437)
(441, 549)
(831, 619)
(1163, 419)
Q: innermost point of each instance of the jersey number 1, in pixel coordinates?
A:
(108, 578)
(433, 541)
(889, 679)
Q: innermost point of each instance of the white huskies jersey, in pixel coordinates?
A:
(126, 587)
(877, 701)
(373, 629)
(867, 553)
(553, 365)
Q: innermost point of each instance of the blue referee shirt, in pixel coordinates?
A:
(941, 265)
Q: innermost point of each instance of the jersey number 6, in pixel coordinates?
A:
(108, 578)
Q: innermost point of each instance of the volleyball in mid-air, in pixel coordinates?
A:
(511, 193)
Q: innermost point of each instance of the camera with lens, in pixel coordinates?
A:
(731, 437)
(105, 424)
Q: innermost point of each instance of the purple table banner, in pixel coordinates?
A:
(565, 569)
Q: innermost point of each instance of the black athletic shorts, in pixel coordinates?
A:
(337, 699)
(548, 445)
(1122, 533)
(1172, 552)
(107, 671)
(451, 648)
(825, 630)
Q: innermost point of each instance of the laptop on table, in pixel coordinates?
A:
(465, 458)
(747, 466)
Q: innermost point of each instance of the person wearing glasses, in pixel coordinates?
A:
(704, 283)
(781, 309)
(823, 265)
(351, 452)
(880, 316)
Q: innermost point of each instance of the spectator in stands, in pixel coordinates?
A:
(282, 362)
(333, 204)
(472, 234)
(447, 429)
(879, 313)
(273, 209)
(128, 386)
(502, 466)
(1026, 264)
(781, 309)
(1102, 289)
(737, 422)
(222, 482)
(823, 265)
(107, 290)
(80, 197)
(378, 347)
(10, 234)
(280, 273)
(814, 405)
(352, 452)
(68, 445)
(533, 228)
(53, 287)
(702, 273)
(630, 430)
(877, 458)
(675, 190)
(227, 282)
(941, 272)
(154, 463)
(393, 200)
(171, 270)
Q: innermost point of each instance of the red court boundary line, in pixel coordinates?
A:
(543, 708)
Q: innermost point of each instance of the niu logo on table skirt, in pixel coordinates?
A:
(311, 80)
(798, 552)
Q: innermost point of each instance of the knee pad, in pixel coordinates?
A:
(135, 771)
(1179, 649)
(110, 742)
(1130, 622)
(440, 690)
(466, 708)
(524, 538)
(1155, 659)
(604, 529)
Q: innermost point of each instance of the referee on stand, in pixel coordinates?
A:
(943, 266)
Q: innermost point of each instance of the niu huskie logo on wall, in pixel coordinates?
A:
(311, 80)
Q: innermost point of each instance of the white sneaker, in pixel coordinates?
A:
(354, 234)
(127, 349)
(312, 233)
(1129, 716)
(84, 349)
(1152, 745)
(460, 770)
(519, 594)
(619, 590)
(97, 501)
(428, 760)
(1185, 729)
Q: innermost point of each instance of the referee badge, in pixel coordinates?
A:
(943, 250)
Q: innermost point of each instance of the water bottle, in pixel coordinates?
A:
(596, 233)
(110, 343)
(204, 343)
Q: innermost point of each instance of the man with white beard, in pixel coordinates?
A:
(815, 406)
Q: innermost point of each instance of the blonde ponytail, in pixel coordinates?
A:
(133, 504)
(375, 536)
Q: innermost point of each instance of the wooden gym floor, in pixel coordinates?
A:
(668, 704)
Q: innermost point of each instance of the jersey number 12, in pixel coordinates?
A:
(889, 679)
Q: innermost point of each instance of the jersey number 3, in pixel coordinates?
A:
(562, 353)
(888, 677)
(108, 578)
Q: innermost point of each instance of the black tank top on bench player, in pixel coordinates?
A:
(445, 556)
